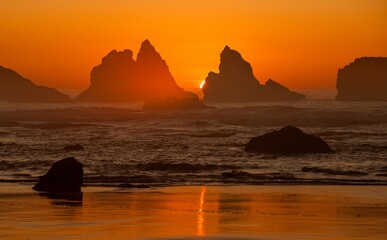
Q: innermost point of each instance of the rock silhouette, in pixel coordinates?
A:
(365, 79)
(15, 88)
(287, 140)
(119, 78)
(235, 82)
(64, 176)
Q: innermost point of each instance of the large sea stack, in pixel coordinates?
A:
(15, 88)
(365, 79)
(119, 78)
(236, 82)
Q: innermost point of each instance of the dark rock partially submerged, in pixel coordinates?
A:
(365, 79)
(64, 176)
(236, 82)
(174, 103)
(288, 140)
(15, 88)
(75, 147)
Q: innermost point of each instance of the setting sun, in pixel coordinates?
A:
(202, 84)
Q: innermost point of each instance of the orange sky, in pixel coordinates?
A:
(299, 43)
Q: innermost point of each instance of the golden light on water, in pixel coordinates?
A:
(200, 227)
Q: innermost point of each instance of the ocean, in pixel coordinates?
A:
(123, 144)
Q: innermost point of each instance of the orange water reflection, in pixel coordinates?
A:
(200, 213)
(309, 212)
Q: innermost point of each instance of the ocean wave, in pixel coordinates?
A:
(214, 134)
(58, 125)
(258, 176)
(333, 171)
(182, 167)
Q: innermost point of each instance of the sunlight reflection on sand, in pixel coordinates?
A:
(233, 212)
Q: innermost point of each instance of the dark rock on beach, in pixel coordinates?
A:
(64, 176)
(15, 88)
(365, 79)
(119, 78)
(288, 140)
(75, 147)
(236, 82)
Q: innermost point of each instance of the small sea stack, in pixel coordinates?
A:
(64, 176)
(287, 140)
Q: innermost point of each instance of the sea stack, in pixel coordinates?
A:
(365, 79)
(64, 176)
(15, 88)
(236, 82)
(119, 78)
(287, 140)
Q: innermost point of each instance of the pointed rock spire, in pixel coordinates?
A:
(236, 82)
(121, 79)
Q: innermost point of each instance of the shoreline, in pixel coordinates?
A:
(189, 212)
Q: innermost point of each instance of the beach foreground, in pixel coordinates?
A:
(189, 212)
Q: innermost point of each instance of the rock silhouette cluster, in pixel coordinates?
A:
(15, 88)
(236, 82)
(119, 78)
(64, 176)
(365, 79)
(287, 140)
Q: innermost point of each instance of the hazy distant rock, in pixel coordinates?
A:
(75, 147)
(15, 88)
(64, 176)
(365, 79)
(174, 103)
(235, 82)
(288, 140)
(119, 78)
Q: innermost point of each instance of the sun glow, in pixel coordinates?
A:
(202, 84)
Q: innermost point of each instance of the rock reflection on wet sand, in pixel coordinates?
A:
(233, 212)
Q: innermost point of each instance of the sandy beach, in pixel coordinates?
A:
(190, 212)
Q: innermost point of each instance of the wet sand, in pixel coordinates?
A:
(224, 212)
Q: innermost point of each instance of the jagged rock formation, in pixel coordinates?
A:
(64, 176)
(365, 79)
(287, 140)
(119, 78)
(15, 88)
(235, 82)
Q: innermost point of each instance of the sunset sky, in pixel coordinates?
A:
(299, 43)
